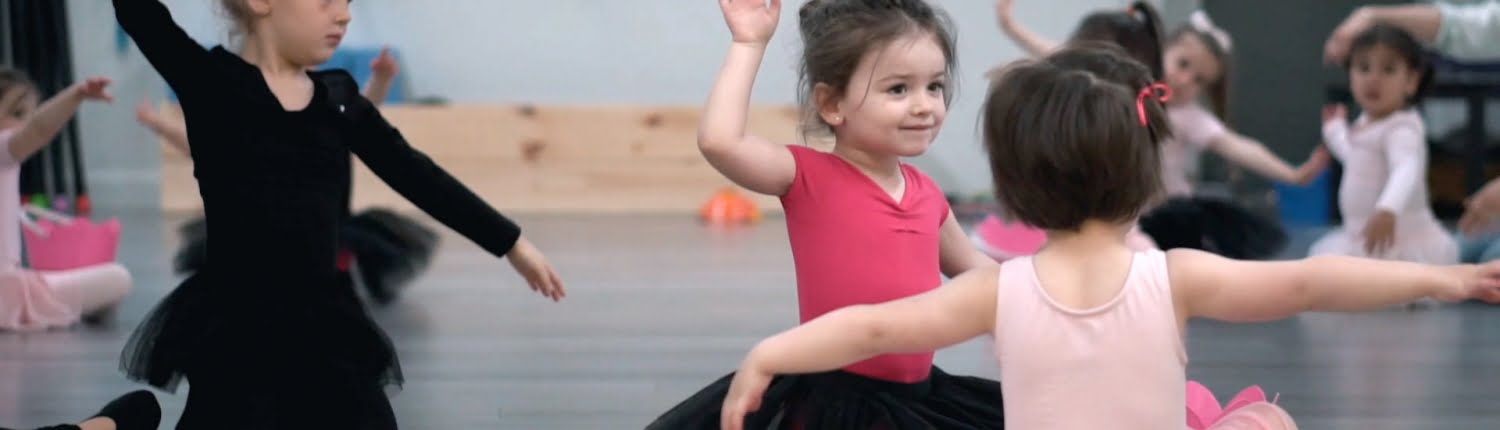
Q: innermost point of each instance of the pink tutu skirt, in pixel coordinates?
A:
(27, 303)
(1248, 410)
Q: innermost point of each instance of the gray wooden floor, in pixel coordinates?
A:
(660, 306)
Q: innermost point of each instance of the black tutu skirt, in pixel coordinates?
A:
(389, 250)
(1216, 226)
(266, 337)
(846, 401)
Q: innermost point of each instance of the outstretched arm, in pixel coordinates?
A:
(421, 181)
(42, 126)
(962, 309)
(1210, 286)
(1251, 154)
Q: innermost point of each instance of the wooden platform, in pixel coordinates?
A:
(568, 159)
(660, 306)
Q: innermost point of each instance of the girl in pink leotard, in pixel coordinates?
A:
(32, 300)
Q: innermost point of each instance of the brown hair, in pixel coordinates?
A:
(1065, 141)
(239, 15)
(1137, 29)
(836, 35)
(14, 79)
(1404, 44)
(1218, 90)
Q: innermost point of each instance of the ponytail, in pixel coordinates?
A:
(1151, 22)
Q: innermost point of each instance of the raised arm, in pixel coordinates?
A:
(749, 161)
(1406, 151)
(174, 132)
(42, 126)
(1336, 131)
(1034, 44)
(1214, 287)
(175, 55)
(383, 74)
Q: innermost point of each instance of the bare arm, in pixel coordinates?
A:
(383, 74)
(1423, 21)
(1251, 154)
(1034, 44)
(42, 126)
(1210, 286)
(378, 89)
(956, 254)
(750, 161)
(174, 132)
(958, 311)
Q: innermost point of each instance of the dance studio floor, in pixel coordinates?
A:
(660, 306)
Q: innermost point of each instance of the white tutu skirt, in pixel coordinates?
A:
(1419, 241)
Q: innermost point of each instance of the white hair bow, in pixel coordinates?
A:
(1199, 20)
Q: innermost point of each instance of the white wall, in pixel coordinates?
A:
(588, 51)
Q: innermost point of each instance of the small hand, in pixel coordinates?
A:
(744, 397)
(1335, 112)
(94, 89)
(751, 21)
(1314, 166)
(145, 114)
(385, 66)
(1481, 209)
(1336, 49)
(1380, 233)
(532, 265)
(1481, 281)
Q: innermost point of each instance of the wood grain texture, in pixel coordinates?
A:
(557, 159)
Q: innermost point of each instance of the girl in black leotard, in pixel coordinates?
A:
(264, 332)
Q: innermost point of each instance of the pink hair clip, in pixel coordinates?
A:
(1158, 90)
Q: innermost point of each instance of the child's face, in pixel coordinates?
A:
(1381, 80)
(18, 103)
(894, 103)
(1191, 66)
(306, 32)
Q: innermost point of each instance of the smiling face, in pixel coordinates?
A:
(896, 99)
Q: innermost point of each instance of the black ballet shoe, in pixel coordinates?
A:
(137, 410)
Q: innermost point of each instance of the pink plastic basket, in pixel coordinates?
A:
(71, 245)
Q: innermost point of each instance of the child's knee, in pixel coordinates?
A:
(118, 278)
